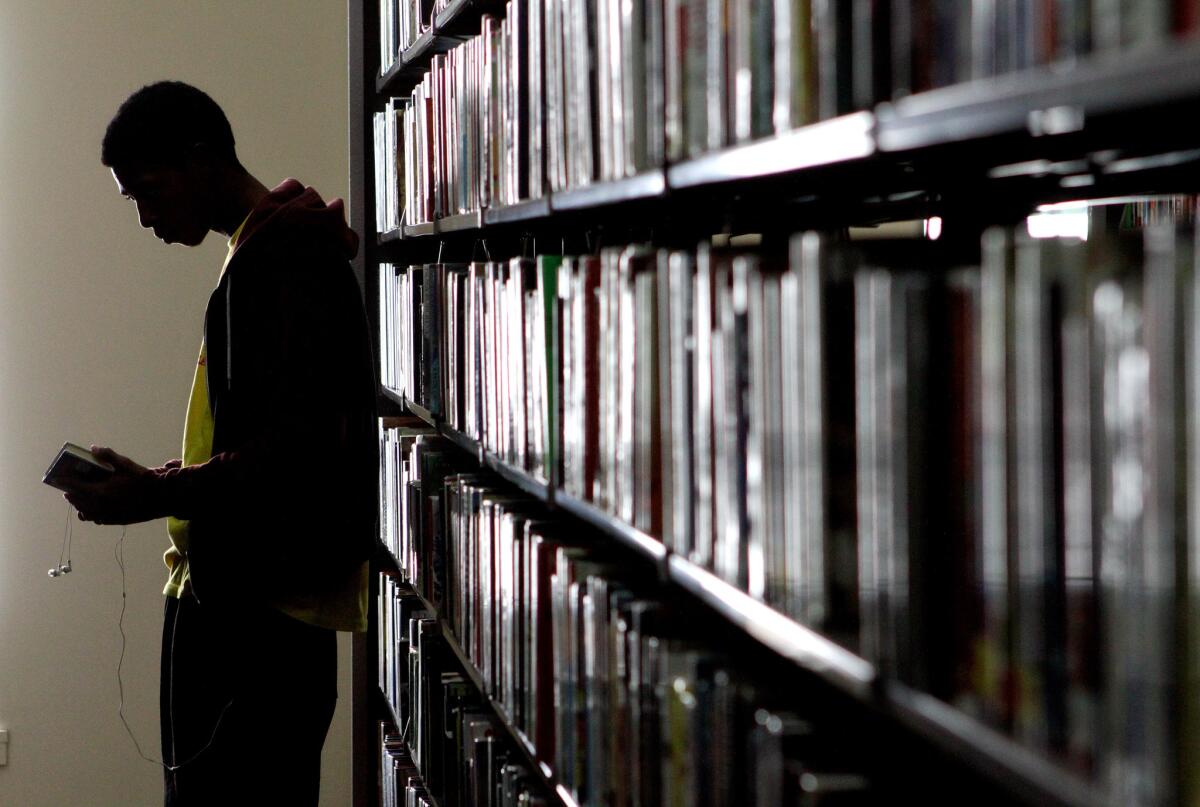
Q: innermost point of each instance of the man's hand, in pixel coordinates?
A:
(127, 496)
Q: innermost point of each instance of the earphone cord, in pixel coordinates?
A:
(120, 557)
(66, 547)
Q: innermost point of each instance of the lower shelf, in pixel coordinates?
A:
(1029, 777)
(1026, 775)
(515, 735)
(788, 638)
(632, 537)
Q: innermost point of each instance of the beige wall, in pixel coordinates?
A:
(99, 327)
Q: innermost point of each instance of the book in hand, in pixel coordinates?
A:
(75, 464)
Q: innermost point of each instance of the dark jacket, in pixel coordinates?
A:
(290, 495)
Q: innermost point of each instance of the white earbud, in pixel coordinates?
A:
(64, 568)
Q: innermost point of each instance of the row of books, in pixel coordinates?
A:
(626, 701)
(401, 323)
(559, 94)
(398, 635)
(400, 782)
(462, 141)
(482, 770)
(1088, 458)
(448, 745)
(393, 175)
(895, 46)
(647, 420)
(401, 22)
(971, 472)
(488, 361)
(938, 44)
(1140, 214)
(414, 463)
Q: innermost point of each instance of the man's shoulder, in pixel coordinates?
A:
(295, 253)
(295, 220)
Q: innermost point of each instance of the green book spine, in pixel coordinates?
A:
(548, 266)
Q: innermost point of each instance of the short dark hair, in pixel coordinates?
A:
(162, 121)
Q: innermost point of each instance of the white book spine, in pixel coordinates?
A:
(812, 428)
(703, 402)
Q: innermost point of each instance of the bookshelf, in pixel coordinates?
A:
(977, 153)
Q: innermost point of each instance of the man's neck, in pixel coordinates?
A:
(241, 194)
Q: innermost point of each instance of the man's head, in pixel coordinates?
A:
(169, 146)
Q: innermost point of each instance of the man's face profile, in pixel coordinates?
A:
(168, 198)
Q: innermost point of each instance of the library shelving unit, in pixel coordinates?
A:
(974, 154)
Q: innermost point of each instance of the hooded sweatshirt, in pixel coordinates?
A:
(283, 512)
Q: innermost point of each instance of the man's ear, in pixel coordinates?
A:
(202, 159)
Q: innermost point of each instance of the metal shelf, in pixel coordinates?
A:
(519, 212)
(418, 230)
(407, 590)
(414, 61)
(1023, 773)
(649, 185)
(780, 633)
(399, 79)
(390, 711)
(644, 544)
(838, 140)
(395, 396)
(451, 13)
(421, 412)
(459, 222)
(384, 82)
(421, 49)
(462, 16)
(1043, 101)
(463, 441)
(519, 477)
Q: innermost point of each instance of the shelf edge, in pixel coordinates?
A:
(780, 633)
(1024, 772)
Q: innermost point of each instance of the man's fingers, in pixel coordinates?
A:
(108, 455)
(118, 461)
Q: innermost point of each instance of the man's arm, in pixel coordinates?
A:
(127, 496)
(296, 367)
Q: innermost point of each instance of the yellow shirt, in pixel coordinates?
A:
(197, 449)
(341, 607)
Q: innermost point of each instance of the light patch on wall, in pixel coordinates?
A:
(1067, 220)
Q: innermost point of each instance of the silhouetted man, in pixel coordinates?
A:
(271, 508)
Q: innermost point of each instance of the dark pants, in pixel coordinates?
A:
(246, 700)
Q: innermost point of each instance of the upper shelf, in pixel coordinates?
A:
(826, 143)
(1091, 100)
(649, 185)
(457, 21)
(1054, 100)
